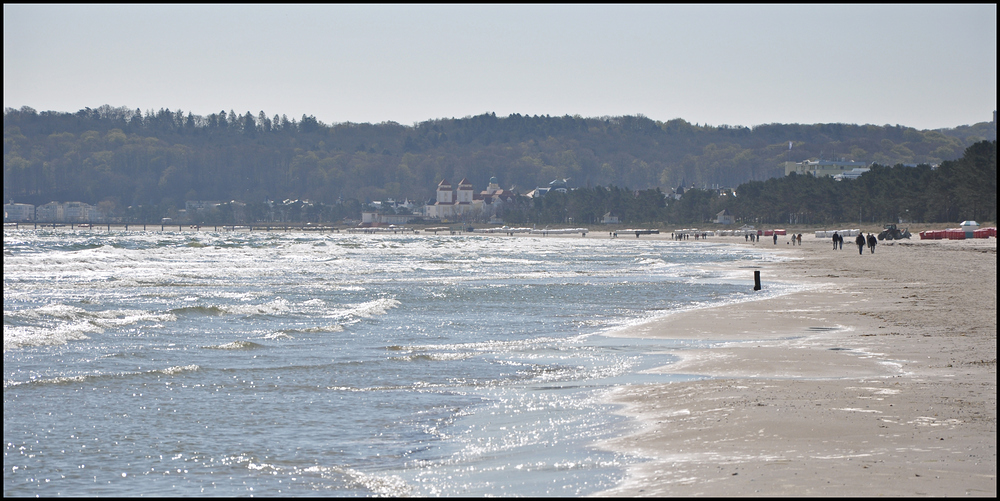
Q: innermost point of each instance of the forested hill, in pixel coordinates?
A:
(123, 157)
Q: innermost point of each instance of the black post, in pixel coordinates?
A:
(756, 280)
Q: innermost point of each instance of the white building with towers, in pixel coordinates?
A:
(452, 203)
(460, 202)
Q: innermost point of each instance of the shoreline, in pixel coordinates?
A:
(879, 381)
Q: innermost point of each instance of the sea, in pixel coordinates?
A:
(236, 363)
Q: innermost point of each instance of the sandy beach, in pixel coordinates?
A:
(881, 380)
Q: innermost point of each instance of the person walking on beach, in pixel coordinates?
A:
(861, 243)
(835, 237)
(775, 239)
(871, 242)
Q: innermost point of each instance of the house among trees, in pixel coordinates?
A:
(559, 185)
(822, 167)
(609, 218)
(724, 217)
(851, 174)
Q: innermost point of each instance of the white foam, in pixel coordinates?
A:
(16, 336)
(170, 371)
(370, 309)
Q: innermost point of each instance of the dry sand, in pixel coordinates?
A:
(880, 381)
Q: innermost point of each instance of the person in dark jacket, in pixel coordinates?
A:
(836, 236)
(861, 243)
(871, 242)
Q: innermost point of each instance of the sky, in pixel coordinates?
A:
(922, 66)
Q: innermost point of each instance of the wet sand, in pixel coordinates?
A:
(881, 380)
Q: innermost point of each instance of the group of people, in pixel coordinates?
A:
(838, 240)
(871, 240)
(755, 237)
(861, 240)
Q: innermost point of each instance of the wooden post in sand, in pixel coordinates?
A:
(756, 280)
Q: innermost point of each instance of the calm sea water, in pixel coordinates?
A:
(149, 363)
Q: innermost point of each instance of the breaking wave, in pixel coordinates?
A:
(235, 345)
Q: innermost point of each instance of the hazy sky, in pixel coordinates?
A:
(924, 66)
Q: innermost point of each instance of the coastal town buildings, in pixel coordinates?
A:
(53, 212)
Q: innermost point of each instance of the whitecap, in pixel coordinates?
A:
(170, 371)
(370, 309)
(16, 336)
(235, 345)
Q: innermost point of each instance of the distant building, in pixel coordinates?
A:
(538, 192)
(822, 167)
(724, 217)
(464, 201)
(453, 203)
(560, 185)
(372, 218)
(16, 213)
(51, 212)
(609, 218)
(851, 174)
(199, 205)
(68, 212)
(79, 212)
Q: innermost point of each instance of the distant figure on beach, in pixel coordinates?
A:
(799, 238)
(871, 242)
(746, 237)
(861, 243)
(775, 239)
(836, 237)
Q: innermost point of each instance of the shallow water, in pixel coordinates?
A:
(149, 363)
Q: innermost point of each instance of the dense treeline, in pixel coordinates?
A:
(119, 157)
(957, 190)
